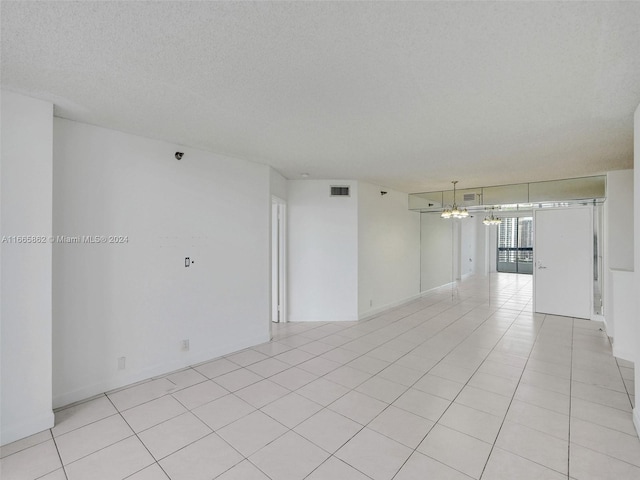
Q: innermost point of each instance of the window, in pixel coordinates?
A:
(515, 245)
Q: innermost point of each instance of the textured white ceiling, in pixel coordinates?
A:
(407, 95)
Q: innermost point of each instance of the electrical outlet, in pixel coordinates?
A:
(185, 344)
(122, 363)
(371, 303)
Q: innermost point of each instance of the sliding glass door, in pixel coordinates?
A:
(515, 245)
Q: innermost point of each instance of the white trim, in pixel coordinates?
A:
(12, 433)
(89, 391)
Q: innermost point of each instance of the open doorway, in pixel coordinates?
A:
(278, 260)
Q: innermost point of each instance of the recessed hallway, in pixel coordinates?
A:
(462, 383)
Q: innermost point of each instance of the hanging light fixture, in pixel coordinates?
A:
(454, 211)
(491, 220)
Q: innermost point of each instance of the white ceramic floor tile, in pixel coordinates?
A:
(237, 379)
(252, 432)
(245, 470)
(203, 460)
(603, 415)
(319, 366)
(152, 413)
(293, 378)
(246, 357)
(82, 414)
(586, 464)
(401, 374)
(348, 376)
(484, 400)
(172, 435)
(423, 404)
(328, 430)
(262, 393)
(152, 472)
(420, 466)
(456, 450)
(358, 407)
(291, 409)
(116, 461)
(382, 389)
(538, 418)
(223, 411)
(340, 355)
(268, 367)
(290, 457)
(377, 456)
(294, 356)
(431, 346)
(603, 396)
(55, 475)
(543, 398)
(91, 438)
(504, 465)
(369, 364)
(607, 441)
(186, 378)
(438, 386)
(25, 443)
(402, 426)
(138, 394)
(272, 348)
(216, 368)
(31, 463)
(197, 395)
(475, 423)
(534, 445)
(322, 391)
(492, 383)
(334, 469)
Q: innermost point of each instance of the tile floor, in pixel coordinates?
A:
(451, 386)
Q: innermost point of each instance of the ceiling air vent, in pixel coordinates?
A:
(469, 197)
(340, 191)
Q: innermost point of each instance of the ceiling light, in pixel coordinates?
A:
(491, 220)
(454, 211)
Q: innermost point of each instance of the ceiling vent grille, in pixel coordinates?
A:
(339, 191)
(469, 197)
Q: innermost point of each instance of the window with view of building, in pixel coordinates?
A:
(515, 245)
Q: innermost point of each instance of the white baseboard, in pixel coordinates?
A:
(13, 432)
(88, 391)
(378, 310)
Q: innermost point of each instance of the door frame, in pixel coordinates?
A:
(278, 260)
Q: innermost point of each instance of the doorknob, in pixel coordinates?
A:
(540, 266)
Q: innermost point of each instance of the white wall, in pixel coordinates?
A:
(619, 219)
(25, 345)
(618, 261)
(137, 300)
(388, 249)
(436, 245)
(278, 184)
(636, 256)
(323, 251)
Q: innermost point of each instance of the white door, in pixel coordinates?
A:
(563, 255)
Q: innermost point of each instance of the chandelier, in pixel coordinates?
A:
(454, 211)
(491, 219)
